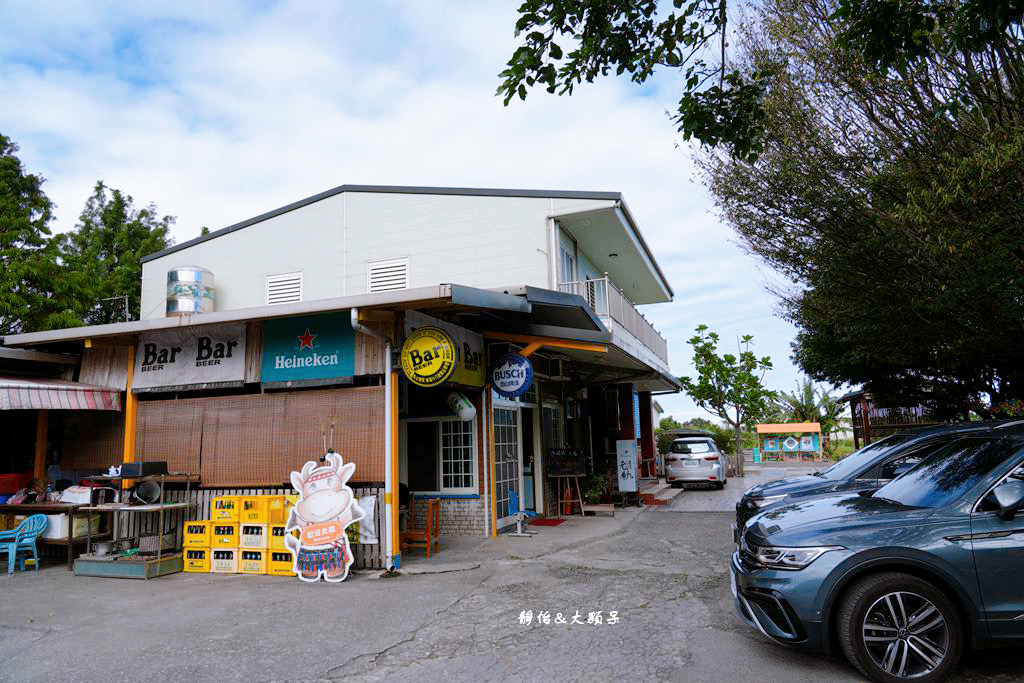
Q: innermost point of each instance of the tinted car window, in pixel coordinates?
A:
(947, 474)
(851, 464)
(690, 447)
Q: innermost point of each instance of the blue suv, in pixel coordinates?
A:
(873, 466)
(903, 578)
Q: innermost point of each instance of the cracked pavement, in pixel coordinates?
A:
(664, 571)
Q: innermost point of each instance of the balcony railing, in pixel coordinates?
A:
(608, 301)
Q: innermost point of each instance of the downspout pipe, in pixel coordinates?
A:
(390, 487)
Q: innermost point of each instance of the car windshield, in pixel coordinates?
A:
(854, 462)
(947, 474)
(690, 447)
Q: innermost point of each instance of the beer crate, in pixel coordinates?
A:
(197, 534)
(255, 510)
(223, 535)
(252, 535)
(224, 560)
(275, 539)
(252, 561)
(197, 560)
(277, 512)
(225, 508)
(280, 563)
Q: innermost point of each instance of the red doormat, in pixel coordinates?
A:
(546, 522)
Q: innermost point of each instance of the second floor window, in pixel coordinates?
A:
(568, 265)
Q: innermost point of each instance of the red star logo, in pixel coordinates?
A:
(306, 340)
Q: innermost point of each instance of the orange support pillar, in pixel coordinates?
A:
(42, 426)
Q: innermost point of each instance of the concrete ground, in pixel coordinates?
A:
(459, 616)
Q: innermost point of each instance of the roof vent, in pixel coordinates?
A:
(384, 276)
(284, 288)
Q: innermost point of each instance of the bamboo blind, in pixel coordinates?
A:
(93, 439)
(258, 440)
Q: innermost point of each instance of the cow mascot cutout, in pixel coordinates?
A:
(326, 506)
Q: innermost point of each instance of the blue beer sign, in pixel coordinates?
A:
(511, 375)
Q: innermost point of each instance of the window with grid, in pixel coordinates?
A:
(457, 455)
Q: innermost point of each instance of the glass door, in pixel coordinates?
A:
(506, 462)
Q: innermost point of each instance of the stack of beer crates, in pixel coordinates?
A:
(245, 535)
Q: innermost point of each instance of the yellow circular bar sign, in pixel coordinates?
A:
(428, 356)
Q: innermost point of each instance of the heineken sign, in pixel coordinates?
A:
(308, 348)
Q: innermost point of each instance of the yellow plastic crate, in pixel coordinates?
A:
(252, 535)
(252, 561)
(197, 534)
(275, 539)
(277, 512)
(225, 508)
(255, 510)
(289, 502)
(224, 561)
(197, 560)
(224, 535)
(280, 563)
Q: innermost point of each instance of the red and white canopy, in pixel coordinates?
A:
(21, 393)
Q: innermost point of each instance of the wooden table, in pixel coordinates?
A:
(51, 509)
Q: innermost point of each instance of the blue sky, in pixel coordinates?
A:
(220, 111)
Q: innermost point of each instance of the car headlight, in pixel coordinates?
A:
(766, 500)
(791, 558)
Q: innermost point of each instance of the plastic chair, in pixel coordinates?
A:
(23, 540)
(429, 536)
(522, 516)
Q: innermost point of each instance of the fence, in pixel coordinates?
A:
(607, 300)
(366, 556)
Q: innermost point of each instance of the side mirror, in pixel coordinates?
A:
(1009, 496)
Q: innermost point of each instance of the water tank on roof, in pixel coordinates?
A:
(190, 290)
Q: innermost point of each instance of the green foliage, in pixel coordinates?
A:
(632, 37)
(892, 202)
(901, 34)
(106, 248)
(729, 385)
(34, 293)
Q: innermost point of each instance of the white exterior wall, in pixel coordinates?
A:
(478, 241)
(308, 239)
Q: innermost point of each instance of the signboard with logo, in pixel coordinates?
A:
(625, 461)
(428, 356)
(308, 348)
(511, 375)
(201, 355)
(469, 348)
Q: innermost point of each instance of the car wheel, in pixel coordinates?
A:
(719, 485)
(897, 627)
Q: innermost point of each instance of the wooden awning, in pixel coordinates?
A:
(21, 393)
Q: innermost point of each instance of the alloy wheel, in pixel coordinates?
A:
(905, 634)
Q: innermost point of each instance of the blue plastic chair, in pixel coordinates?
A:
(521, 515)
(20, 541)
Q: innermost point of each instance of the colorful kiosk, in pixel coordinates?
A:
(794, 442)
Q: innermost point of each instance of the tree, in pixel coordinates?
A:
(662, 436)
(34, 293)
(891, 199)
(107, 246)
(569, 41)
(729, 386)
(812, 404)
(630, 36)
